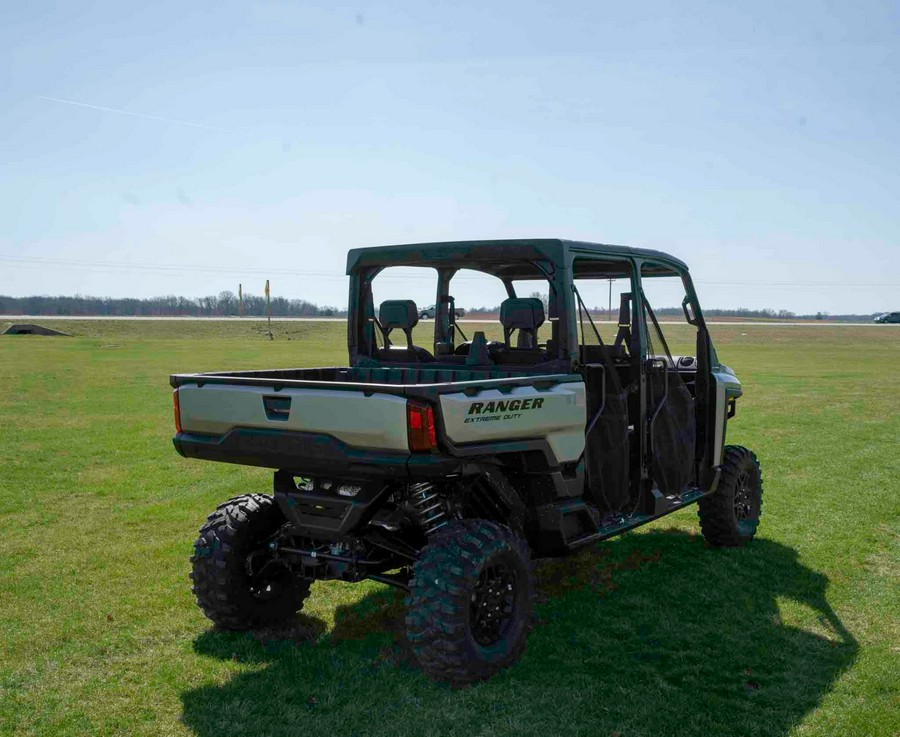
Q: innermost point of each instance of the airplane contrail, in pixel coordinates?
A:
(139, 115)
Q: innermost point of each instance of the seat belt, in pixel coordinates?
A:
(623, 337)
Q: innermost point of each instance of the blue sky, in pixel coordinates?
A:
(756, 141)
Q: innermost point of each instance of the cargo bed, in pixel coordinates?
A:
(299, 417)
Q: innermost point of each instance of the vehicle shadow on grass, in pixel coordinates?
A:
(650, 634)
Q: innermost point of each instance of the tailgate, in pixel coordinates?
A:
(363, 419)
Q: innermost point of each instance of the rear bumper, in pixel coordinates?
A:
(310, 453)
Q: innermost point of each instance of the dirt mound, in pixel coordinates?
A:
(29, 329)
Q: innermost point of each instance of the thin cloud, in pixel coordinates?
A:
(139, 115)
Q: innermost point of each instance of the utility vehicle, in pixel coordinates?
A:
(444, 471)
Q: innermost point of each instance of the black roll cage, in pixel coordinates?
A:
(552, 261)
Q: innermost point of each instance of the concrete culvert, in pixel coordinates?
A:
(28, 329)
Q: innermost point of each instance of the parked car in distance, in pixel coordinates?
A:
(428, 313)
(887, 317)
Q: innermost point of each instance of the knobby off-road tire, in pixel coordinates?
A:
(730, 516)
(234, 592)
(470, 602)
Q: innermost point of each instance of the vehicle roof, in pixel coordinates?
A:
(503, 258)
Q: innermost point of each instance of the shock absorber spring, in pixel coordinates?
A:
(427, 507)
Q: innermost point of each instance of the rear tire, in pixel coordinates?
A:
(470, 602)
(729, 517)
(235, 590)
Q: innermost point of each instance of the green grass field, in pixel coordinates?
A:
(647, 634)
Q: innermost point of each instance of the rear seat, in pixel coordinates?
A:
(525, 315)
(400, 314)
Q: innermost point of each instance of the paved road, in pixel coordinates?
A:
(34, 318)
(38, 318)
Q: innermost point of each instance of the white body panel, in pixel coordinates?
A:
(557, 414)
(727, 385)
(376, 421)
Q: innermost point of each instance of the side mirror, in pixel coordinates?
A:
(689, 314)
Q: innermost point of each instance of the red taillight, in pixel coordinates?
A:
(420, 427)
(177, 406)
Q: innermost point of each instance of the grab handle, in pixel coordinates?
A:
(277, 408)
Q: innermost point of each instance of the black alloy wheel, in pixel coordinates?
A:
(729, 517)
(493, 604)
(237, 581)
(470, 602)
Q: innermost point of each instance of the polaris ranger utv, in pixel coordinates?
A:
(444, 471)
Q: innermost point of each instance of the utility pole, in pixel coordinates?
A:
(240, 300)
(269, 310)
(610, 300)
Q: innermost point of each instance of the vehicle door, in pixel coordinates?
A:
(672, 374)
(608, 361)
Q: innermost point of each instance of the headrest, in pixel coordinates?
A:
(522, 313)
(398, 313)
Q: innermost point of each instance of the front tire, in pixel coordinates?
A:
(238, 585)
(470, 602)
(729, 517)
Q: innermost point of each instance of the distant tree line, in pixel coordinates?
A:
(222, 305)
(768, 314)
(738, 312)
(226, 304)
